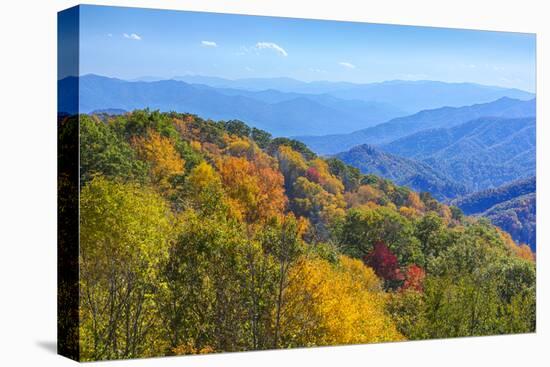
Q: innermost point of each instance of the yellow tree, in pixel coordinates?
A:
(414, 203)
(161, 154)
(365, 194)
(318, 205)
(291, 164)
(204, 192)
(257, 192)
(522, 251)
(329, 182)
(330, 304)
(238, 147)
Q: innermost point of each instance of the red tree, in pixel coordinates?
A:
(414, 278)
(313, 175)
(384, 263)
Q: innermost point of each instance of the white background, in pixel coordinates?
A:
(28, 182)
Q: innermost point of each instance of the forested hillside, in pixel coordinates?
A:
(481, 201)
(479, 154)
(417, 175)
(518, 217)
(449, 163)
(511, 207)
(444, 117)
(200, 237)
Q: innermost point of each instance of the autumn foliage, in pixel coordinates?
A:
(384, 263)
(414, 278)
(160, 153)
(200, 236)
(330, 305)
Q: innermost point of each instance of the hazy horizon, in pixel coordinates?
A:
(152, 78)
(130, 43)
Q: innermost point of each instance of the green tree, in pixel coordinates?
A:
(322, 208)
(430, 230)
(363, 227)
(477, 287)
(295, 145)
(199, 303)
(218, 288)
(124, 235)
(138, 122)
(407, 311)
(104, 152)
(237, 127)
(261, 137)
(281, 240)
(350, 176)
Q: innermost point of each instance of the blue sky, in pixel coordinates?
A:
(129, 43)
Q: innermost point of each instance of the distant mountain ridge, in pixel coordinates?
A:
(444, 117)
(369, 113)
(282, 106)
(517, 217)
(286, 116)
(480, 154)
(476, 155)
(417, 175)
(482, 201)
(410, 96)
(511, 207)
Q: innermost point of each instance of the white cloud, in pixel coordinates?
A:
(132, 36)
(273, 46)
(346, 64)
(209, 44)
(109, 35)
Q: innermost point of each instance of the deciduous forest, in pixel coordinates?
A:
(201, 236)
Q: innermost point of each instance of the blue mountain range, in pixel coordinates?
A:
(443, 117)
(449, 139)
(281, 106)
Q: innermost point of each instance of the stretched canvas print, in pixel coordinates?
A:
(235, 183)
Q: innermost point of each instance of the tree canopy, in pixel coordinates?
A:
(200, 236)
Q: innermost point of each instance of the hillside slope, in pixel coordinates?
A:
(397, 128)
(480, 154)
(417, 175)
(482, 201)
(517, 217)
(188, 214)
(511, 207)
